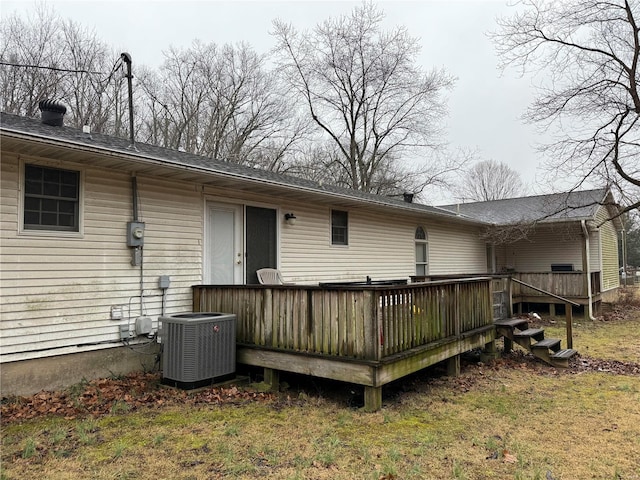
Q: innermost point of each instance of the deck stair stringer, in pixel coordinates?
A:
(516, 330)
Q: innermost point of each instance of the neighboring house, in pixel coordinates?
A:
(564, 242)
(99, 236)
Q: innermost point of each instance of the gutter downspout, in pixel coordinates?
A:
(585, 231)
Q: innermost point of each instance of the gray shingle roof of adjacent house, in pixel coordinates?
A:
(557, 207)
(34, 128)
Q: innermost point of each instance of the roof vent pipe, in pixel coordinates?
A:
(126, 58)
(408, 197)
(52, 112)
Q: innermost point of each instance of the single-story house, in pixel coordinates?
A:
(97, 233)
(101, 236)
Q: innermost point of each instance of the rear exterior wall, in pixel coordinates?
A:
(58, 291)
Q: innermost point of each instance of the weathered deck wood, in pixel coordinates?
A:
(548, 344)
(368, 335)
(513, 323)
(537, 333)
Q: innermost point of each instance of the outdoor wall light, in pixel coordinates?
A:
(290, 218)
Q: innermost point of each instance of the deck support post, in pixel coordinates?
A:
(372, 399)
(569, 322)
(508, 345)
(552, 309)
(453, 366)
(489, 352)
(272, 378)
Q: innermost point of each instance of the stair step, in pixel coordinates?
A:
(565, 353)
(511, 322)
(531, 332)
(561, 358)
(549, 343)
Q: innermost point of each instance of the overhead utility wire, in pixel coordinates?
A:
(116, 66)
(55, 69)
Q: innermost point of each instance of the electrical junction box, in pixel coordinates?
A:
(135, 234)
(164, 281)
(116, 312)
(124, 331)
(144, 325)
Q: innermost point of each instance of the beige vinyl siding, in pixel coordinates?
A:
(544, 247)
(380, 246)
(456, 249)
(609, 248)
(57, 291)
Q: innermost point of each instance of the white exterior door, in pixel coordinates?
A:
(224, 257)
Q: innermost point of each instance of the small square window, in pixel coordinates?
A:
(339, 227)
(51, 199)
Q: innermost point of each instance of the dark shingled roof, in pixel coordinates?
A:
(71, 136)
(557, 207)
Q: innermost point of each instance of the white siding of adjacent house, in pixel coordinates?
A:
(609, 250)
(57, 291)
(544, 247)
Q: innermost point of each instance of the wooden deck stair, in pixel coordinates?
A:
(546, 349)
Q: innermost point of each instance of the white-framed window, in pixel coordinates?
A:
(50, 199)
(339, 227)
(422, 252)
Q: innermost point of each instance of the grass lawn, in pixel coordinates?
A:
(515, 418)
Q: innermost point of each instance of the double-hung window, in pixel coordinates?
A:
(339, 227)
(51, 199)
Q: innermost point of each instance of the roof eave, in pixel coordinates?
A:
(137, 156)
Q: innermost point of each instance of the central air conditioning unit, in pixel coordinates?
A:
(198, 349)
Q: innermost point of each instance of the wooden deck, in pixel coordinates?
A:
(363, 334)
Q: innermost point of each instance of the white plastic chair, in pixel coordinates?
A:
(269, 276)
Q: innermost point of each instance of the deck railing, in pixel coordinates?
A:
(363, 322)
(565, 284)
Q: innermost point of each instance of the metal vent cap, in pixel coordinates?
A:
(52, 112)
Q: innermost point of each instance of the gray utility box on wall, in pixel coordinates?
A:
(198, 348)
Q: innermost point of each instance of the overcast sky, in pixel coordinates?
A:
(484, 106)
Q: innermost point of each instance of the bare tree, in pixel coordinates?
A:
(220, 102)
(489, 180)
(25, 46)
(363, 90)
(48, 57)
(589, 51)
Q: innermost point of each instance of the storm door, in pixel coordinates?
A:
(224, 261)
